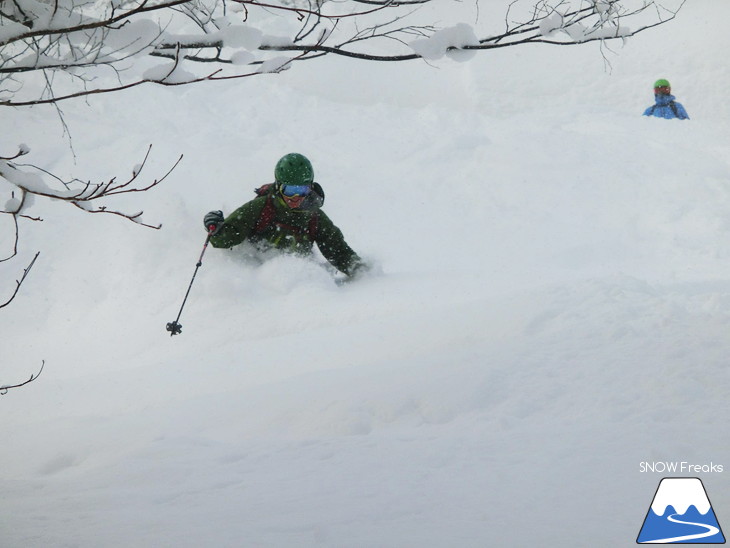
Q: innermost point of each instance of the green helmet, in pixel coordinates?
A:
(662, 83)
(294, 169)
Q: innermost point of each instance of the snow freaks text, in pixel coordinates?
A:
(680, 467)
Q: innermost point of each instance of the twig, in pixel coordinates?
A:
(4, 389)
(18, 283)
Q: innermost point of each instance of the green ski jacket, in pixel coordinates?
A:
(289, 230)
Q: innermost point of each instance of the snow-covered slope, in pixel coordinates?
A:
(553, 308)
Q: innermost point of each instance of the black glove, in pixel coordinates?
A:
(357, 270)
(213, 221)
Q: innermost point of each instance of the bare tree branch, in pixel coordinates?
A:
(4, 389)
(15, 239)
(19, 282)
(80, 46)
(82, 198)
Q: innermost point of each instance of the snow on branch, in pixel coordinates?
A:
(83, 195)
(569, 23)
(84, 48)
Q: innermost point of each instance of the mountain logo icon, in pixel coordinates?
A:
(680, 513)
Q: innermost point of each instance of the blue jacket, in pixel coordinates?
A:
(666, 107)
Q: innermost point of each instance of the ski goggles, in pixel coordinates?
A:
(295, 190)
(663, 90)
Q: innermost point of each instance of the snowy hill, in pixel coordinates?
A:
(553, 308)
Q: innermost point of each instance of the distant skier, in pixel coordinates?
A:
(286, 215)
(665, 106)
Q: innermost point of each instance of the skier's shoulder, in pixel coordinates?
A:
(326, 225)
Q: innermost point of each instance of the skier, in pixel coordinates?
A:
(286, 215)
(665, 106)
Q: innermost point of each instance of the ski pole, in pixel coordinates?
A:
(174, 327)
